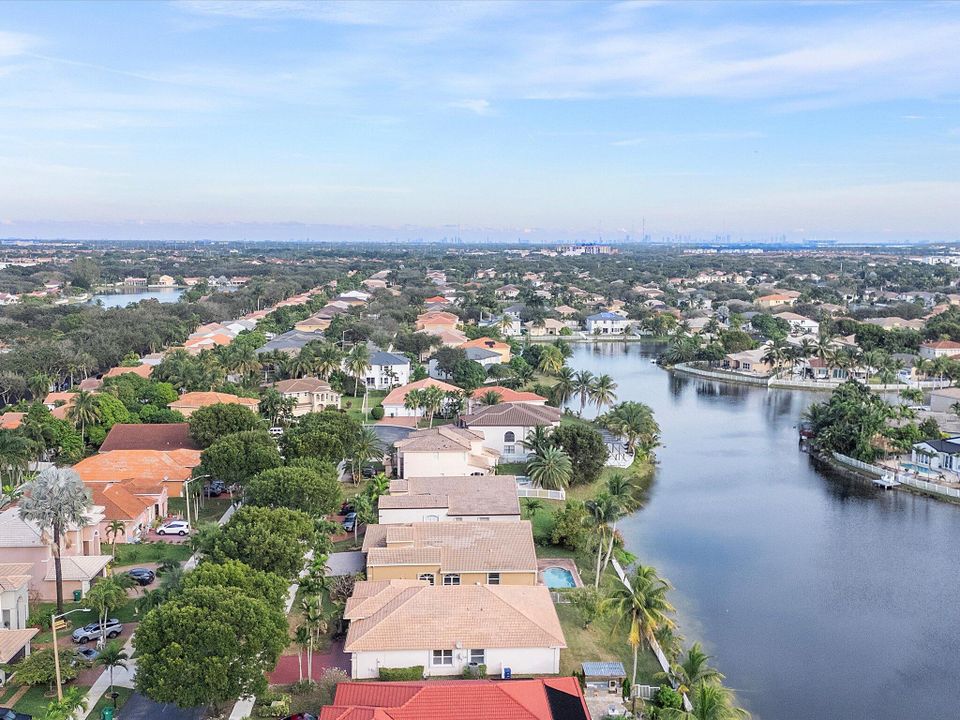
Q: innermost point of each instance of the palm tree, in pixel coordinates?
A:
(115, 528)
(413, 400)
(363, 506)
(694, 669)
(603, 391)
(710, 702)
(551, 468)
(328, 359)
(367, 447)
(531, 506)
(643, 605)
(432, 399)
(583, 387)
(621, 490)
(39, 386)
(84, 410)
(55, 501)
(490, 397)
(604, 510)
(15, 455)
(505, 324)
(358, 361)
(564, 388)
(112, 656)
(302, 638)
(537, 440)
(551, 360)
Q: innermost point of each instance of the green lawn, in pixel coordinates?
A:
(35, 701)
(123, 694)
(601, 640)
(151, 552)
(512, 469)
(211, 509)
(374, 399)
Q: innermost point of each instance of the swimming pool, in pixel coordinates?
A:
(558, 577)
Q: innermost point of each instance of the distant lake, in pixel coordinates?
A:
(821, 598)
(128, 297)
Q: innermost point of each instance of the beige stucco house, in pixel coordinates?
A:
(403, 623)
(449, 554)
(310, 394)
(442, 451)
(453, 499)
(504, 427)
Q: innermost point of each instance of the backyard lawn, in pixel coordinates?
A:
(151, 552)
(35, 701)
(211, 509)
(353, 404)
(601, 640)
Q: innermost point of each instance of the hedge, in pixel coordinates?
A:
(414, 672)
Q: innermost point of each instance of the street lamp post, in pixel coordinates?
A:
(56, 652)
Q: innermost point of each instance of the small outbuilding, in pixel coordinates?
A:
(603, 676)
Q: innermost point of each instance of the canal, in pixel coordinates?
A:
(819, 597)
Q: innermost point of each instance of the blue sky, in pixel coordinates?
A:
(548, 120)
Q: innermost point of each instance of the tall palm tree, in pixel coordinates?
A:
(115, 528)
(367, 447)
(490, 397)
(84, 410)
(432, 398)
(693, 669)
(112, 656)
(328, 359)
(302, 638)
(55, 501)
(710, 702)
(551, 360)
(603, 391)
(551, 468)
(643, 605)
(39, 386)
(413, 400)
(564, 388)
(583, 387)
(603, 510)
(358, 362)
(15, 456)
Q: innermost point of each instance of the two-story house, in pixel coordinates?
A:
(450, 499)
(443, 451)
(309, 394)
(504, 427)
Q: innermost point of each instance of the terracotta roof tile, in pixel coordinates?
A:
(397, 396)
(159, 436)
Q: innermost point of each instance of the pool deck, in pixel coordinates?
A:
(565, 563)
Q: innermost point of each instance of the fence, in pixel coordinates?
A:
(901, 477)
(559, 598)
(541, 493)
(645, 692)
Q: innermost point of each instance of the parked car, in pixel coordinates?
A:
(215, 489)
(10, 714)
(142, 576)
(93, 631)
(346, 508)
(88, 654)
(368, 472)
(174, 527)
(350, 521)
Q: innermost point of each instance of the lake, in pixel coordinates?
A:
(820, 598)
(122, 299)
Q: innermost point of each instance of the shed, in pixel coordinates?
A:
(603, 676)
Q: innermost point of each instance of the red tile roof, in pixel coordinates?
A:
(160, 436)
(397, 396)
(143, 371)
(508, 394)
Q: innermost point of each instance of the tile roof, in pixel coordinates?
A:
(159, 436)
(437, 316)
(439, 439)
(488, 495)
(149, 465)
(143, 371)
(508, 395)
(14, 575)
(420, 616)
(118, 502)
(301, 385)
(528, 699)
(78, 567)
(202, 399)
(13, 641)
(11, 420)
(486, 343)
(455, 547)
(513, 414)
(397, 396)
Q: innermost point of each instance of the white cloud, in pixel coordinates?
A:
(478, 106)
(13, 44)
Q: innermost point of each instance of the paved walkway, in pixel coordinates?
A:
(345, 563)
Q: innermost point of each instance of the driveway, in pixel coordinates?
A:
(139, 707)
(345, 563)
(288, 669)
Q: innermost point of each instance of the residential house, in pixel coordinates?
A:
(435, 320)
(491, 553)
(143, 371)
(938, 456)
(290, 342)
(607, 323)
(565, 311)
(444, 450)
(11, 420)
(527, 699)
(799, 325)
(775, 300)
(320, 320)
(486, 343)
(891, 323)
(394, 404)
(507, 291)
(166, 281)
(309, 394)
(190, 402)
(504, 427)
(402, 623)
(387, 370)
(506, 395)
(452, 498)
(749, 361)
(450, 337)
(134, 508)
(547, 326)
(23, 542)
(939, 348)
(158, 469)
(15, 636)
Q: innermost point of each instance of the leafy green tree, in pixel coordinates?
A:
(328, 435)
(585, 448)
(266, 586)
(55, 500)
(39, 668)
(570, 525)
(588, 602)
(207, 646)
(850, 421)
(210, 423)
(15, 455)
(315, 492)
(269, 539)
(237, 457)
(468, 374)
(84, 411)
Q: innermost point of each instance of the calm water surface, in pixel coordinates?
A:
(122, 299)
(820, 598)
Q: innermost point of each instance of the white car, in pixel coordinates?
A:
(174, 527)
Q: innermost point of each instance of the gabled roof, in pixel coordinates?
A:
(118, 502)
(143, 371)
(419, 616)
(439, 439)
(941, 345)
(382, 357)
(397, 396)
(302, 385)
(454, 547)
(159, 436)
(490, 495)
(513, 414)
(486, 343)
(139, 465)
(529, 699)
(13, 641)
(202, 399)
(78, 567)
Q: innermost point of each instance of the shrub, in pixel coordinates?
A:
(667, 697)
(342, 587)
(469, 674)
(329, 680)
(587, 451)
(415, 672)
(377, 413)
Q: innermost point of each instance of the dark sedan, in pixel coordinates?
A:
(142, 576)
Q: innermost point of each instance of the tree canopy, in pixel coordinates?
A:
(212, 422)
(314, 491)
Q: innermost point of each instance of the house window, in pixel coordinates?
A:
(442, 657)
(509, 449)
(509, 437)
(484, 518)
(426, 576)
(478, 656)
(431, 518)
(493, 578)
(451, 579)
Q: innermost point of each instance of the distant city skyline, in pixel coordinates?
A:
(499, 121)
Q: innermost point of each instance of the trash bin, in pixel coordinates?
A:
(106, 713)
(77, 595)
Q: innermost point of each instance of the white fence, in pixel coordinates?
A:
(645, 692)
(541, 493)
(901, 477)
